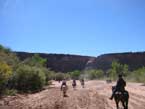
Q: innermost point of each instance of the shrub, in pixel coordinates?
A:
(67, 76)
(29, 78)
(59, 76)
(75, 74)
(137, 75)
(50, 75)
(9, 58)
(10, 92)
(5, 73)
(94, 74)
(111, 74)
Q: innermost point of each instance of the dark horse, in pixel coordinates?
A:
(74, 84)
(121, 97)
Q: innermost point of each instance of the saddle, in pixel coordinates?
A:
(64, 88)
(119, 92)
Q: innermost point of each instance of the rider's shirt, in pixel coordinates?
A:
(120, 84)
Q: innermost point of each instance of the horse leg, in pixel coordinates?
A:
(74, 87)
(117, 104)
(123, 103)
(63, 94)
(126, 98)
(126, 104)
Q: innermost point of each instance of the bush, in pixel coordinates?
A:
(111, 74)
(67, 76)
(50, 75)
(137, 75)
(75, 74)
(10, 92)
(29, 78)
(59, 76)
(5, 73)
(94, 74)
(7, 56)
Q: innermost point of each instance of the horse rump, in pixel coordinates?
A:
(123, 98)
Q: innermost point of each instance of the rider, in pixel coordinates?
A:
(63, 84)
(74, 83)
(82, 82)
(120, 86)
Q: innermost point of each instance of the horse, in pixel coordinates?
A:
(82, 83)
(64, 88)
(124, 98)
(74, 84)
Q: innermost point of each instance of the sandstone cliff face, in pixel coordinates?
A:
(60, 62)
(133, 60)
(67, 63)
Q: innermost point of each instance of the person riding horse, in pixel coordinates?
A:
(63, 84)
(74, 83)
(120, 86)
(64, 87)
(82, 83)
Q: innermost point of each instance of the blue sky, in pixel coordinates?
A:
(85, 27)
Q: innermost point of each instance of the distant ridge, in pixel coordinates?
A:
(67, 63)
(134, 60)
(60, 62)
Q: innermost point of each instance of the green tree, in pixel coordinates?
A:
(116, 69)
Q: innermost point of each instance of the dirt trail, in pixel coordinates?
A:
(94, 96)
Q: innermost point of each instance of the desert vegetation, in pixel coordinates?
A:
(32, 74)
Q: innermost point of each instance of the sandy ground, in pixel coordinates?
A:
(94, 96)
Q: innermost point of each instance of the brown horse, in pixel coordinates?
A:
(124, 98)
